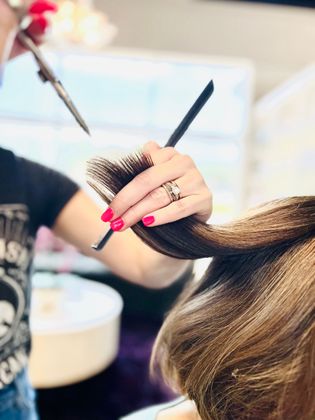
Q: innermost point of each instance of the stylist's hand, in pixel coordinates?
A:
(38, 12)
(144, 198)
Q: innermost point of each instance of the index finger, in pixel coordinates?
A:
(150, 147)
(143, 184)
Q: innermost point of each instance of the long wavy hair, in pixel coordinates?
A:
(240, 342)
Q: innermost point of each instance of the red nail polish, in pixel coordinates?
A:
(38, 26)
(148, 220)
(42, 6)
(117, 224)
(107, 215)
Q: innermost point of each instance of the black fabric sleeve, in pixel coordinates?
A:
(46, 192)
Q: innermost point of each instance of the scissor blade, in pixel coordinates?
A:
(62, 93)
(47, 75)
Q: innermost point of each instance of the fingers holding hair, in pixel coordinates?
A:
(145, 198)
(166, 166)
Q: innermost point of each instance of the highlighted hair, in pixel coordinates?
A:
(240, 342)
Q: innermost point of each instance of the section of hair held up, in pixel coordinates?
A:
(279, 222)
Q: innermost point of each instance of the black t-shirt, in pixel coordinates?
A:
(31, 196)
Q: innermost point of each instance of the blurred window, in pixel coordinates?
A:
(127, 99)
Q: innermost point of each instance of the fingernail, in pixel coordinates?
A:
(117, 224)
(107, 215)
(148, 220)
(42, 6)
(38, 26)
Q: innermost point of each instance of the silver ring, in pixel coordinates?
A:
(173, 190)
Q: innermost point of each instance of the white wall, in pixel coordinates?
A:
(280, 40)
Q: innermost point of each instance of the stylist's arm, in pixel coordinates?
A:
(142, 200)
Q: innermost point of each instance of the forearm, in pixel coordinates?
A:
(133, 260)
(125, 254)
(157, 270)
(128, 257)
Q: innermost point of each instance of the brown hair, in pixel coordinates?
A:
(240, 342)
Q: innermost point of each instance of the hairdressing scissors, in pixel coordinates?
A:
(45, 73)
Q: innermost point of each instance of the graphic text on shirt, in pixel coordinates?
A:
(16, 251)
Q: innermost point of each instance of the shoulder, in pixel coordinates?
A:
(7, 158)
(23, 168)
(184, 410)
(44, 179)
(179, 409)
(5, 152)
(149, 413)
(11, 187)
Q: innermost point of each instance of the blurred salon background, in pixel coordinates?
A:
(134, 68)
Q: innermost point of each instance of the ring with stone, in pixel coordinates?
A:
(173, 190)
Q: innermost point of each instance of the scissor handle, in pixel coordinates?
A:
(46, 72)
(47, 75)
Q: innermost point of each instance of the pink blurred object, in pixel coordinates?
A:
(47, 241)
(64, 254)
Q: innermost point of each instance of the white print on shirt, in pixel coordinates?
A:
(7, 314)
(12, 366)
(16, 252)
(11, 310)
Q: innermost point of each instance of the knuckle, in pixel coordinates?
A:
(197, 177)
(119, 208)
(162, 155)
(187, 161)
(168, 153)
(117, 204)
(205, 206)
(205, 198)
(158, 195)
(181, 206)
(130, 216)
(170, 150)
(143, 179)
(207, 194)
(177, 158)
(150, 145)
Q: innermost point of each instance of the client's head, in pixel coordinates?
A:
(240, 342)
